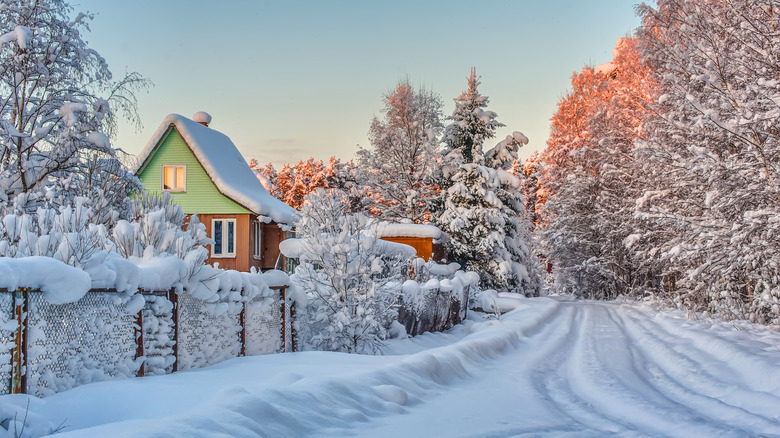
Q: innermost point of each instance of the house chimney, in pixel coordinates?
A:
(202, 117)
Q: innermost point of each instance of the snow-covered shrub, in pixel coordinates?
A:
(351, 279)
(436, 298)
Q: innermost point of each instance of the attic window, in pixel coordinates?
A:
(174, 178)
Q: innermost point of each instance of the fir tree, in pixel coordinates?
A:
(482, 206)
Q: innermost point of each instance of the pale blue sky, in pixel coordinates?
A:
(291, 79)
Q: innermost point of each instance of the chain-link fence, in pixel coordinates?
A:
(47, 348)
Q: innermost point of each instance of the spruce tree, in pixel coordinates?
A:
(482, 205)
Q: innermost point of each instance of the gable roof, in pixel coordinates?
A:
(224, 164)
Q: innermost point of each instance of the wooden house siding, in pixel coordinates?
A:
(243, 259)
(245, 238)
(272, 236)
(425, 247)
(173, 150)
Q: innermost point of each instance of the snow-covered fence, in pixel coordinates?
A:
(46, 348)
(436, 298)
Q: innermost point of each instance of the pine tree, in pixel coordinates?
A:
(521, 267)
(472, 125)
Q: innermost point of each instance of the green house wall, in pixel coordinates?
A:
(201, 195)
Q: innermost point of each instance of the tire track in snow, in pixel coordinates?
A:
(550, 373)
(684, 372)
(603, 373)
(602, 370)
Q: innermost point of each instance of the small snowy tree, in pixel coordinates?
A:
(400, 166)
(352, 282)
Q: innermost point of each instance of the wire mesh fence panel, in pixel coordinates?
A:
(263, 322)
(8, 328)
(158, 334)
(71, 344)
(209, 333)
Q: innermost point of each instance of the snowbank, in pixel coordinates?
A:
(61, 283)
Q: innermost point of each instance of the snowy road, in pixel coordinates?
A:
(549, 368)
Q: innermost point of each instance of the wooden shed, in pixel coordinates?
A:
(427, 240)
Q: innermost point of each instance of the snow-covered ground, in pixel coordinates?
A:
(548, 368)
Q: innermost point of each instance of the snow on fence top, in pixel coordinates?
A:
(225, 166)
(61, 283)
(410, 230)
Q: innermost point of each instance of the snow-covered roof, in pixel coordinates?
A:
(225, 165)
(410, 230)
(295, 247)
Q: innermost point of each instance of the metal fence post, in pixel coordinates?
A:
(173, 297)
(242, 323)
(283, 306)
(19, 355)
(139, 340)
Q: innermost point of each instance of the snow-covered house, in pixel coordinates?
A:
(206, 175)
(427, 240)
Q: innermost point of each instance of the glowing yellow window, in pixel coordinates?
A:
(174, 178)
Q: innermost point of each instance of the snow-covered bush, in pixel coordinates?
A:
(351, 278)
(437, 297)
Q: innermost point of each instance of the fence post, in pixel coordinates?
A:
(173, 297)
(293, 335)
(139, 339)
(19, 356)
(242, 323)
(283, 306)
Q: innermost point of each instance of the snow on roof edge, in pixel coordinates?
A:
(386, 229)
